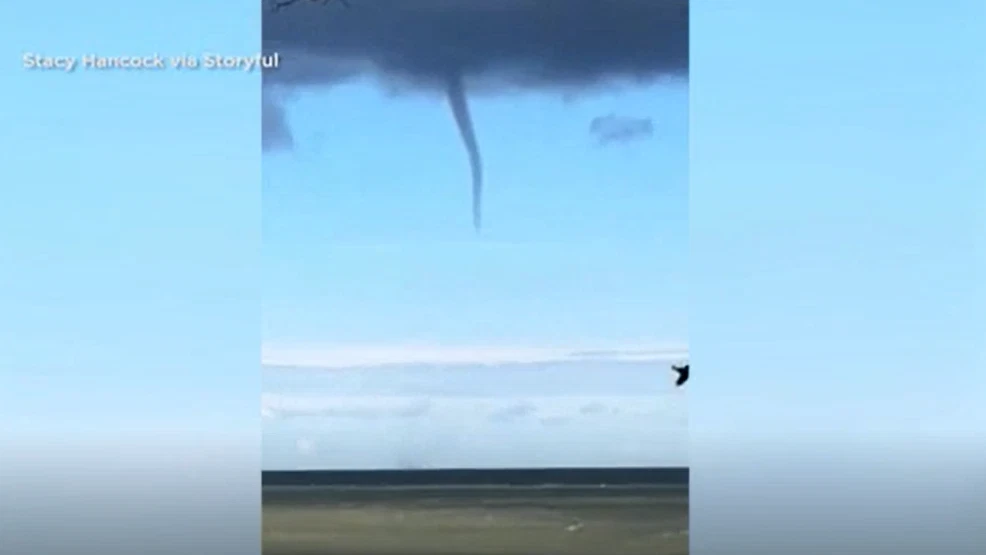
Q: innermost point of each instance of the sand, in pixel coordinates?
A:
(475, 521)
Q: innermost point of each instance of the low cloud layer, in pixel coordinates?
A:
(273, 405)
(507, 409)
(590, 408)
(380, 356)
(379, 432)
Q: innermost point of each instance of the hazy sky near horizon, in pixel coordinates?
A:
(601, 413)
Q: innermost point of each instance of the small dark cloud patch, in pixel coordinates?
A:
(610, 129)
(276, 134)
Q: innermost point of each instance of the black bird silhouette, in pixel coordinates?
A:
(682, 374)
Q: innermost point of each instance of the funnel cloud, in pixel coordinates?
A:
(495, 46)
(460, 110)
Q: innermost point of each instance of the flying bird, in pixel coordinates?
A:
(682, 374)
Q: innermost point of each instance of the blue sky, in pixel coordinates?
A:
(369, 218)
(128, 194)
(836, 220)
(370, 260)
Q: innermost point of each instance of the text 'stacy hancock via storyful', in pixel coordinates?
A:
(207, 61)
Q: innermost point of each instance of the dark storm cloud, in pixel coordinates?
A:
(619, 129)
(529, 42)
(446, 46)
(568, 44)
